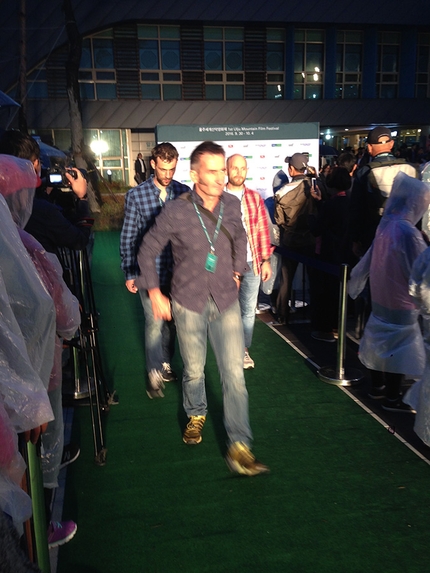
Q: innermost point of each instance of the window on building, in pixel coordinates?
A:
(107, 146)
(423, 66)
(97, 76)
(275, 63)
(223, 62)
(387, 76)
(309, 64)
(37, 87)
(348, 64)
(160, 62)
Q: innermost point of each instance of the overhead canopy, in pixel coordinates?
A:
(50, 156)
(6, 101)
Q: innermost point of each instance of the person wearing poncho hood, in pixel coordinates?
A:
(18, 181)
(392, 345)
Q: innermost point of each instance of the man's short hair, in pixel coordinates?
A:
(14, 142)
(205, 148)
(339, 179)
(165, 151)
(347, 160)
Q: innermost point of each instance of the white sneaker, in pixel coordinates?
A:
(247, 361)
(155, 384)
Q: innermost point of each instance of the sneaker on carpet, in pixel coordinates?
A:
(323, 336)
(155, 384)
(70, 454)
(167, 373)
(262, 307)
(377, 393)
(60, 532)
(247, 361)
(241, 460)
(397, 406)
(193, 431)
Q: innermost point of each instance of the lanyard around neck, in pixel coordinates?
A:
(217, 228)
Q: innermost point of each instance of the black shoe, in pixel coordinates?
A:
(377, 393)
(167, 373)
(323, 336)
(397, 406)
(70, 454)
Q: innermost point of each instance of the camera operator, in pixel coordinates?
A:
(52, 224)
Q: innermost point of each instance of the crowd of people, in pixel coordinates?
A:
(365, 211)
(199, 259)
(320, 219)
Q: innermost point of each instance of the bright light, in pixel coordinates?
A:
(99, 146)
(328, 136)
(317, 69)
(394, 134)
(109, 172)
(346, 129)
(315, 76)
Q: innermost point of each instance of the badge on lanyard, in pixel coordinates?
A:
(211, 261)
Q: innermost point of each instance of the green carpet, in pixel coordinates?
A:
(343, 495)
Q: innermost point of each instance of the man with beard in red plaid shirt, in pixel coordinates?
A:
(254, 220)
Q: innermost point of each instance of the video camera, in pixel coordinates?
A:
(56, 176)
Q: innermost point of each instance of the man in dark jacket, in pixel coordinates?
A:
(48, 222)
(293, 205)
(368, 196)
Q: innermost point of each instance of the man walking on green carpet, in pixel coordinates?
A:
(209, 251)
(142, 205)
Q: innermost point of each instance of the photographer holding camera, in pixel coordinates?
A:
(53, 225)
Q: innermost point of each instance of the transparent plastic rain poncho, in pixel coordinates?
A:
(30, 301)
(392, 340)
(67, 321)
(24, 402)
(418, 396)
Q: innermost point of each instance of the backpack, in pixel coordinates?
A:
(382, 174)
(293, 205)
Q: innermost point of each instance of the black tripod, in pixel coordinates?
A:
(87, 364)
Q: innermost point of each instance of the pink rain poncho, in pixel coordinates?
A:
(25, 307)
(392, 340)
(19, 197)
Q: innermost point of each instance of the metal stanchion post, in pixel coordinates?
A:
(339, 376)
(39, 515)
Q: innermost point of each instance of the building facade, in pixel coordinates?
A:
(347, 67)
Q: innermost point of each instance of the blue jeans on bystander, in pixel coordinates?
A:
(248, 297)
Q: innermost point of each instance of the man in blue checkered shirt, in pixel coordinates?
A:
(142, 205)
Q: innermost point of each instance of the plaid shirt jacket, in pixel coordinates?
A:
(256, 227)
(142, 205)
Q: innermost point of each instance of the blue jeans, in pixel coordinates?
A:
(159, 336)
(248, 296)
(226, 337)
